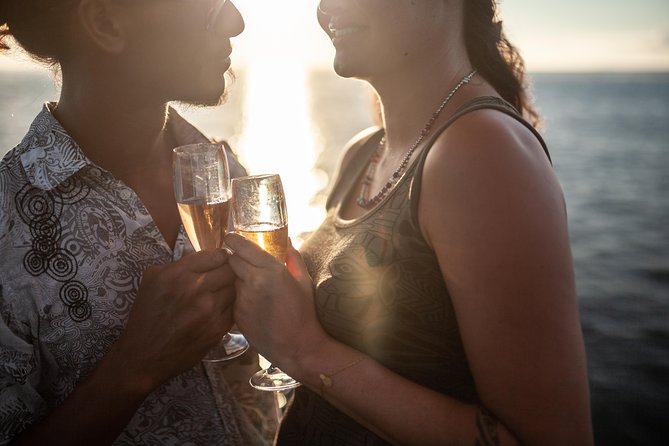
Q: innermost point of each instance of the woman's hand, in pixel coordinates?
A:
(274, 306)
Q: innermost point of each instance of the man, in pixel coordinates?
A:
(105, 310)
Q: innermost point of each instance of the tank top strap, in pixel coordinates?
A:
(480, 103)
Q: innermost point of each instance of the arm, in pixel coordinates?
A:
(292, 338)
(159, 342)
(496, 222)
(503, 248)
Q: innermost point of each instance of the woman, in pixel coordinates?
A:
(105, 315)
(437, 304)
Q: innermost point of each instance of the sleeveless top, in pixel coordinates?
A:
(379, 289)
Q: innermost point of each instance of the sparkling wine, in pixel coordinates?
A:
(205, 223)
(271, 238)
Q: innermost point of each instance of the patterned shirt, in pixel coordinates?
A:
(74, 243)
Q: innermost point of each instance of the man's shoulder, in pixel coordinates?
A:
(12, 178)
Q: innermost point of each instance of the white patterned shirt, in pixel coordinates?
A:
(74, 243)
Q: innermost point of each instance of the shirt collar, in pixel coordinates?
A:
(50, 155)
(183, 131)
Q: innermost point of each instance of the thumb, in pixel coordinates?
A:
(297, 267)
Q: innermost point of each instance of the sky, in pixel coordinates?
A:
(564, 35)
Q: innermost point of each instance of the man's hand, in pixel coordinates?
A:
(182, 310)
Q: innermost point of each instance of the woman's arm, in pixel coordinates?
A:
(276, 314)
(494, 213)
(397, 409)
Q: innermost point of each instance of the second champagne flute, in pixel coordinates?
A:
(202, 190)
(259, 213)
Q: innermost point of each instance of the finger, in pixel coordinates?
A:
(211, 306)
(248, 251)
(218, 278)
(203, 261)
(225, 299)
(228, 320)
(297, 267)
(243, 269)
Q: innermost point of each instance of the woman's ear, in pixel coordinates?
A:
(101, 23)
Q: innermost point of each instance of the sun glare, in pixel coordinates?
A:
(284, 29)
(278, 137)
(275, 52)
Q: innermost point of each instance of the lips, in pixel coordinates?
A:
(225, 56)
(339, 29)
(339, 33)
(227, 51)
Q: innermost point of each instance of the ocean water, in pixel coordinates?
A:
(609, 136)
(609, 139)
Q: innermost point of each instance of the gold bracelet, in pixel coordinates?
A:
(326, 379)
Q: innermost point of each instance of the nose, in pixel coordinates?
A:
(323, 8)
(229, 22)
(330, 7)
(323, 14)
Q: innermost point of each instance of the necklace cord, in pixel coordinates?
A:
(363, 200)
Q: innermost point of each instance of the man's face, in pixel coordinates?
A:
(180, 49)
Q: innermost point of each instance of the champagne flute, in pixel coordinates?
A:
(259, 214)
(202, 190)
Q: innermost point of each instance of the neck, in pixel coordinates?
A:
(115, 129)
(409, 100)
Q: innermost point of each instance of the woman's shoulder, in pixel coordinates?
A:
(353, 150)
(356, 144)
(488, 156)
(490, 137)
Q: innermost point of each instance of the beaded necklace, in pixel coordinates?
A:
(363, 200)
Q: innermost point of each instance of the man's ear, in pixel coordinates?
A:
(102, 25)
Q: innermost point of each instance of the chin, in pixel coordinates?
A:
(214, 94)
(348, 69)
(207, 101)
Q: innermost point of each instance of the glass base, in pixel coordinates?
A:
(273, 379)
(231, 346)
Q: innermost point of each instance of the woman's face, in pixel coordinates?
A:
(176, 54)
(373, 37)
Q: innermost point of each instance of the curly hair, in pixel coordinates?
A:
(4, 33)
(4, 28)
(496, 59)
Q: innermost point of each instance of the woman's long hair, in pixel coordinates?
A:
(496, 59)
